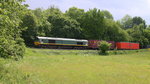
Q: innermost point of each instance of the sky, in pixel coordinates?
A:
(118, 8)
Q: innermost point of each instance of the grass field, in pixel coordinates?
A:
(43, 66)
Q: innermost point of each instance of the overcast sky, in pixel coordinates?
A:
(118, 8)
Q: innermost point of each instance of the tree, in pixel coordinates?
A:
(92, 24)
(63, 26)
(30, 23)
(137, 21)
(44, 27)
(75, 13)
(36, 25)
(147, 34)
(114, 32)
(138, 35)
(126, 22)
(11, 45)
(52, 10)
(39, 13)
(107, 14)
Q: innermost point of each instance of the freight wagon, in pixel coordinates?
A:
(93, 44)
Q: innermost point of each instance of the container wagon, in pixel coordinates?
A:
(93, 44)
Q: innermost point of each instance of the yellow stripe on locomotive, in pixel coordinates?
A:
(37, 43)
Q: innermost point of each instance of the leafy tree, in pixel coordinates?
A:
(63, 26)
(129, 22)
(126, 22)
(52, 10)
(138, 21)
(30, 23)
(39, 13)
(44, 27)
(107, 14)
(147, 34)
(137, 33)
(92, 24)
(36, 25)
(114, 32)
(75, 13)
(11, 45)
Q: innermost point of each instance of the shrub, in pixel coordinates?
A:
(104, 47)
(11, 49)
(11, 44)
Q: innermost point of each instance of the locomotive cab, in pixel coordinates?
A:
(36, 42)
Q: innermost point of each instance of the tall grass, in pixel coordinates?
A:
(10, 73)
(44, 66)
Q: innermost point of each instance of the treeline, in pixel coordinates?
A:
(17, 23)
(80, 24)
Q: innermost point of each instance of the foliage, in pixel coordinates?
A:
(139, 35)
(44, 27)
(38, 12)
(52, 10)
(114, 32)
(136, 28)
(146, 33)
(63, 26)
(75, 13)
(126, 22)
(29, 21)
(138, 21)
(93, 24)
(36, 25)
(11, 45)
(129, 22)
(104, 46)
(107, 15)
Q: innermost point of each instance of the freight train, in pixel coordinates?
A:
(49, 42)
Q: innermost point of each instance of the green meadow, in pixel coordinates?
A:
(47, 66)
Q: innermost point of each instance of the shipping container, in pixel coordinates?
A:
(127, 45)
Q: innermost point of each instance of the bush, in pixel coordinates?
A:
(104, 47)
(12, 49)
(11, 44)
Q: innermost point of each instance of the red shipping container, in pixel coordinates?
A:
(136, 46)
(131, 46)
(127, 45)
(122, 45)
